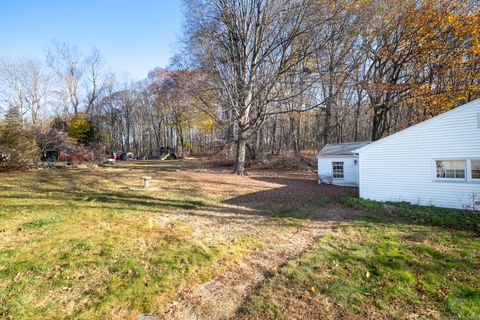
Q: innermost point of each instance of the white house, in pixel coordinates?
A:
(337, 164)
(436, 162)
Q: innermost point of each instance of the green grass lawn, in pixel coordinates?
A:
(91, 244)
(378, 268)
(72, 246)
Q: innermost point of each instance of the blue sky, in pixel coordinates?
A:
(133, 35)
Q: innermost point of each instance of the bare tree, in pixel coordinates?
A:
(336, 40)
(37, 85)
(49, 138)
(94, 82)
(12, 91)
(65, 61)
(257, 76)
(80, 80)
(248, 47)
(24, 85)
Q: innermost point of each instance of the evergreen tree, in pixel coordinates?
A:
(17, 145)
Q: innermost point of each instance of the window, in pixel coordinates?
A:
(337, 170)
(475, 169)
(451, 169)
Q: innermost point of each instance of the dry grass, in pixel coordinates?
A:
(202, 243)
(91, 243)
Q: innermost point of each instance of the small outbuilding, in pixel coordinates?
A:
(338, 164)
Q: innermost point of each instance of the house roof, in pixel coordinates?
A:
(474, 104)
(341, 148)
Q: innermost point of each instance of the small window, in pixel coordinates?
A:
(337, 170)
(475, 169)
(451, 169)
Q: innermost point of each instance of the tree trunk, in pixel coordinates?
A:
(326, 124)
(182, 146)
(294, 136)
(274, 133)
(240, 157)
(378, 115)
(258, 143)
(356, 119)
(298, 136)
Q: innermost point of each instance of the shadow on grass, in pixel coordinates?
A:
(63, 191)
(293, 197)
(121, 199)
(169, 165)
(296, 197)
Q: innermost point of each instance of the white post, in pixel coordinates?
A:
(145, 181)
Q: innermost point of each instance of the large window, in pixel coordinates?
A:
(337, 170)
(475, 169)
(451, 169)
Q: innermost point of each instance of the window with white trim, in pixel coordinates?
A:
(475, 169)
(450, 169)
(337, 169)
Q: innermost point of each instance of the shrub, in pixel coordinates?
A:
(79, 155)
(82, 129)
(17, 145)
(47, 137)
(359, 203)
(325, 178)
(423, 215)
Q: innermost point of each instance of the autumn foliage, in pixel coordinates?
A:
(255, 77)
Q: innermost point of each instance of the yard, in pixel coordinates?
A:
(201, 242)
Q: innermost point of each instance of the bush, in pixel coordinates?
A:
(82, 129)
(79, 155)
(325, 179)
(423, 215)
(359, 203)
(17, 145)
(48, 138)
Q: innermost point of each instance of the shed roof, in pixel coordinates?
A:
(341, 148)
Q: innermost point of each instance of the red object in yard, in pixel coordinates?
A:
(62, 156)
(75, 156)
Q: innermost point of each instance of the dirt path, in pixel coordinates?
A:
(222, 296)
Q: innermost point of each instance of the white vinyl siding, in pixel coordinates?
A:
(402, 167)
(350, 169)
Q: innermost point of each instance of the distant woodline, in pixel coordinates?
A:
(253, 77)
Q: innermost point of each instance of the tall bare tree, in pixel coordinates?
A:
(80, 81)
(248, 47)
(24, 85)
(336, 40)
(65, 61)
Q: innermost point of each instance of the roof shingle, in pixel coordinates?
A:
(341, 148)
